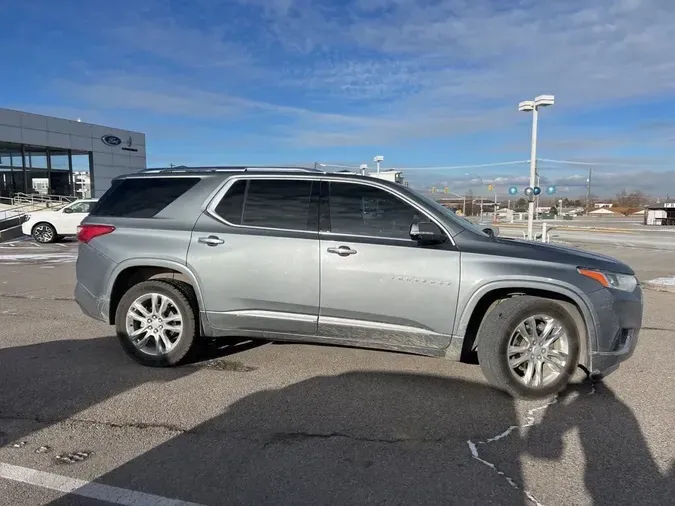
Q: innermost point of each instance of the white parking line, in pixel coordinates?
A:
(114, 495)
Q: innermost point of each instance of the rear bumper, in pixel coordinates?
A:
(619, 320)
(90, 305)
(92, 270)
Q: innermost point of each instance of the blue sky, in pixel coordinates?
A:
(422, 82)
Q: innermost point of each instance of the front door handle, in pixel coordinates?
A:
(211, 240)
(343, 251)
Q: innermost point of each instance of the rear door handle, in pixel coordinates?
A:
(343, 251)
(211, 240)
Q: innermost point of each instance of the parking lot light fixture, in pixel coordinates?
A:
(533, 107)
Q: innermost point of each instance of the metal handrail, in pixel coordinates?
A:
(16, 212)
(43, 199)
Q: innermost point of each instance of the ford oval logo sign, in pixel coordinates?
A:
(111, 140)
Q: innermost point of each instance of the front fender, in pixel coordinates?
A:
(516, 283)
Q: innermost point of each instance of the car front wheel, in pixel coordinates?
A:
(528, 346)
(44, 233)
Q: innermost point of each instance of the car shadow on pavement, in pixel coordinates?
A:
(355, 438)
(52, 381)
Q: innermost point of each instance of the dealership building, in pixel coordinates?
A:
(54, 156)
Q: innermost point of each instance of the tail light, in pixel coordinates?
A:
(86, 233)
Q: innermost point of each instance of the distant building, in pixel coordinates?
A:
(603, 211)
(82, 180)
(41, 154)
(601, 205)
(660, 214)
(393, 175)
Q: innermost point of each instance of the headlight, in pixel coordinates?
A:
(623, 282)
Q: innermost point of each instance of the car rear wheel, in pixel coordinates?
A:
(528, 347)
(156, 322)
(44, 233)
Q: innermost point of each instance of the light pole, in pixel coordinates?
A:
(533, 106)
(377, 160)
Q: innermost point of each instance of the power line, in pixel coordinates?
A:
(476, 166)
(606, 164)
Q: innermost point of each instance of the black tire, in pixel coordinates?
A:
(183, 297)
(493, 341)
(44, 233)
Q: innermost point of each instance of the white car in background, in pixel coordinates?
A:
(52, 224)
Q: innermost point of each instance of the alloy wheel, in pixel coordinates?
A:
(43, 233)
(538, 351)
(154, 324)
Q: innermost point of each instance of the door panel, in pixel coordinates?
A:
(255, 278)
(68, 222)
(396, 295)
(377, 284)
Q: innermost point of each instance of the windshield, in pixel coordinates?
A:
(449, 213)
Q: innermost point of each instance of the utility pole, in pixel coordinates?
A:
(588, 192)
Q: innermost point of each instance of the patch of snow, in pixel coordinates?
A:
(668, 281)
(49, 258)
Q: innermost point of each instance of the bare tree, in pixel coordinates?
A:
(633, 199)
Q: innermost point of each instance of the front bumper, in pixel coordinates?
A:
(618, 323)
(26, 227)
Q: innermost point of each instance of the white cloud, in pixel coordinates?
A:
(382, 71)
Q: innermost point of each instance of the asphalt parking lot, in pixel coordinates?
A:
(261, 423)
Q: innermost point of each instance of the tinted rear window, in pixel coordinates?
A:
(142, 197)
(274, 203)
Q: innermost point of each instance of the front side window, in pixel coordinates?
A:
(267, 203)
(357, 209)
(80, 207)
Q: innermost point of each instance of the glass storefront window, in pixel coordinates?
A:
(36, 157)
(59, 175)
(11, 169)
(80, 161)
(46, 170)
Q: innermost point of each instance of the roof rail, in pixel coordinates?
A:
(229, 169)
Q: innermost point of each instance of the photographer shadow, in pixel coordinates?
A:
(620, 469)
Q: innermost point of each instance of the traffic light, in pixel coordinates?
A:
(491, 187)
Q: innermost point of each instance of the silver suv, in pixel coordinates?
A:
(170, 256)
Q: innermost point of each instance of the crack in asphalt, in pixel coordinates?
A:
(529, 422)
(33, 297)
(84, 421)
(267, 439)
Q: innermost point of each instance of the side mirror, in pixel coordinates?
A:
(426, 232)
(67, 210)
(489, 232)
